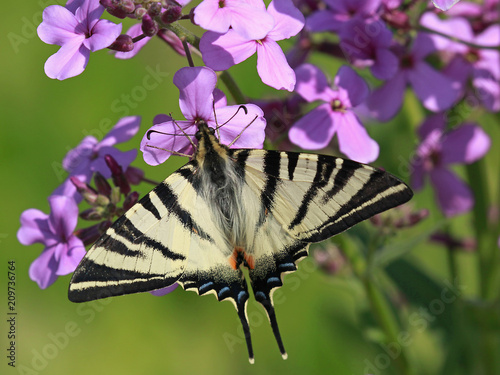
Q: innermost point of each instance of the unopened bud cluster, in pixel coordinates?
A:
(104, 199)
(151, 13)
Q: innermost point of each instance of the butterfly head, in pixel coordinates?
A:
(208, 143)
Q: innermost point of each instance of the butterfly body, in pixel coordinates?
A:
(233, 208)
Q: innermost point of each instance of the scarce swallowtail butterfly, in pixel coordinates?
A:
(229, 208)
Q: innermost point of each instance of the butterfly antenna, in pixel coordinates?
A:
(241, 132)
(235, 113)
(215, 118)
(171, 151)
(185, 134)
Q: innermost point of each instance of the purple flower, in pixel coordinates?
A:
(340, 11)
(248, 18)
(63, 251)
(439, 149)
(481, 67)
(316, 129)
(88, 156)
(221, 51)
(78, 30)
(434, 89)
(198, 101)
(366, 43)
(444, 4)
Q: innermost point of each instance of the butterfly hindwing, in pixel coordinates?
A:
(306, 198)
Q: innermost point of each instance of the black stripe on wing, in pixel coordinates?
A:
(324, 169)
(170, 201)
(359, 207)
(94, 281)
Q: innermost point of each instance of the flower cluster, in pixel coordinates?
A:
(378, 55)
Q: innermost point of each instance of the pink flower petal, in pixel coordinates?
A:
(386, 64)
(221, 51)
(71, 255)
(58, 26)
(453, 196)
(104, 33)
(444, 4)
(312, 83)
(123, 131)
(324, 20)
(434, 89)
(354, 140)
(43, 269)
(272, 66)
(433, 122)
(69, 61)
(489, 37)
(350, 81)
(251, 126)
(465, 144)
(164, 144)
(315, 129)
(34, 227)
(252, 23)
(164, 291)
(63, 215)
(385, 101)
(288, 19)
(210, 16)
(488, 90)
(196, 86)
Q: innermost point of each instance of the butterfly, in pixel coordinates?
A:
(233, 208)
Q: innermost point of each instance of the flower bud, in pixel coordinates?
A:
(140, 11)
(102, 185)
(154, 9)
(171, 14)
(91, 214)
(134, 175)
(149, 26)
(86, 191)
(124, 43)
(117, 175)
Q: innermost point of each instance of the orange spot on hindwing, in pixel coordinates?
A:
(238, 257)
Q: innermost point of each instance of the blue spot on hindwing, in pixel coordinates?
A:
(206, 287)
(223, 292)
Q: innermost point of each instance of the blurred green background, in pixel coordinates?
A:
(325, 321)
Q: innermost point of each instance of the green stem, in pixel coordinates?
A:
(379, 305)
(488, 254)
(183, 33)
(233, 88)
(487, 250)
(386, 320)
